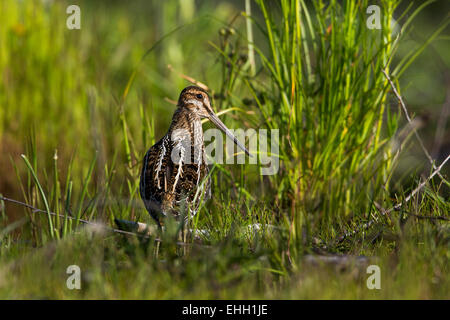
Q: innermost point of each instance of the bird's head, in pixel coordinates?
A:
(197, 100)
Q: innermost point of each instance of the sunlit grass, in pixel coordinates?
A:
(83, 107)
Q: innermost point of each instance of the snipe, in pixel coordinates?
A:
(174, 169)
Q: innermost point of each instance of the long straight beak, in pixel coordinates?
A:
(222, 127)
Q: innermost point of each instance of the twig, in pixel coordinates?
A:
(418, 216)
(410, 122)
(383, 213)
(190, 79)
(440, 130)
(36, 210)
(368, 224)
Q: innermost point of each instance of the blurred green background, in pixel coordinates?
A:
(48, 73)
(62, 103)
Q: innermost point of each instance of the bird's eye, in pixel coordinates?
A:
(199, 96)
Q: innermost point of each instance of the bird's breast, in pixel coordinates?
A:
(174, 168)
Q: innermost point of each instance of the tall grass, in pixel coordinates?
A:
(63, 88)
(83, 107)
(323, 87)
(320, 82)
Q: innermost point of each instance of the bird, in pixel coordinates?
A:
(174, 172)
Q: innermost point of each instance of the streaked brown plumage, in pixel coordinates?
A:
(174, 169)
